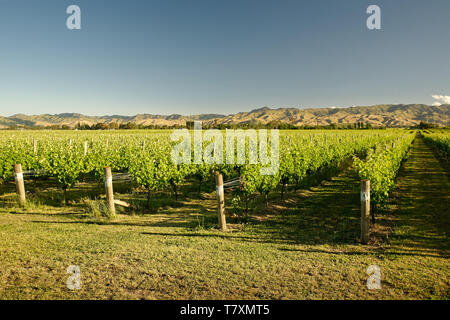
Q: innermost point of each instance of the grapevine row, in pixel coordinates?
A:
(79, 156)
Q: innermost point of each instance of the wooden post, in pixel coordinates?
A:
(220, 201)
(34, 146)
(85, 148)
(18, 176)
(365, 210)
(143, 144)
(109, 191)
(70, 142)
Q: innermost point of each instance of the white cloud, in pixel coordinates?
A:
(440, 99)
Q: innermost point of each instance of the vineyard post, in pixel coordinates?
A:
(18, 176)
(365, 210)
(109, 190)
(70, 142)
(143, 145)
(220, 201)
(34, 146)
(85, 148)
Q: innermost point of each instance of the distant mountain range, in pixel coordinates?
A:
(379, 115)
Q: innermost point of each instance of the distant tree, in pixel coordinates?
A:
(189, 124)
(101, 126)
(128, 125)
(425, 125)
(113, 125)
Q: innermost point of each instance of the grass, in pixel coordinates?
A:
(305, 247)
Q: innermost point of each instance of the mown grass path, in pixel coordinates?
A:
(421, 223)
(423, 200)
(304, 248)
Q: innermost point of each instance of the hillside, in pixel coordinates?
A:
(386, 115)
(378, 115)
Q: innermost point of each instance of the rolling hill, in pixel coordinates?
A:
(379, 115)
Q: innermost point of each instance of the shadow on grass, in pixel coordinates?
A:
(327, 214)
(369, 252)
(423, 198)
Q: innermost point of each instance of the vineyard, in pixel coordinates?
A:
(146, 157)
(439, 140)
(166, 231)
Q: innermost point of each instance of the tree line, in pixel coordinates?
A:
(208, 125)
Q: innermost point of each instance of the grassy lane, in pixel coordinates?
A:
(420, 239)
(304, 248)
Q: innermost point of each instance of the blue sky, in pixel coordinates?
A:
(217, 56)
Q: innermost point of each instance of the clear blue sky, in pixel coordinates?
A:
(219, 56)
